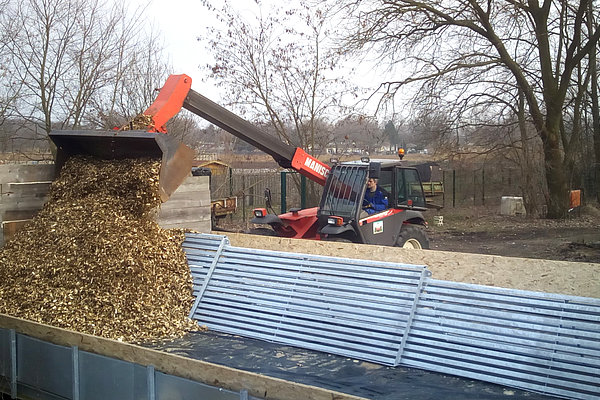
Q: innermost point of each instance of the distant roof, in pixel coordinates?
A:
(211, 162)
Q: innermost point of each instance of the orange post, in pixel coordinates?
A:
(574, 198)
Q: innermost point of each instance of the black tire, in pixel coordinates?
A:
(413, 237)
(261, 231)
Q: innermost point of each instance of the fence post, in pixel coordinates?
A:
(230, 181)
(453, 188)
(283, 191)
(483, 186)
(230, 173)
(444, 187)
(244, 196)
(474, 187)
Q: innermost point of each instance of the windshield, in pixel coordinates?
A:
(343, 190)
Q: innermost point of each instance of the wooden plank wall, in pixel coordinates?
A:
(189, 206)
(24, 189)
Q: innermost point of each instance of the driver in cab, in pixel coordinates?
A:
(374, 201)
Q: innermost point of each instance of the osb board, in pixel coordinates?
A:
(563, 277)
(9, 228)
(20, 189)
(33, 204)
(201, 371)
(22, 200)
(22, 193)
(17, 215)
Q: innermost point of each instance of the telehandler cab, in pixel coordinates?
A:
(341, 215)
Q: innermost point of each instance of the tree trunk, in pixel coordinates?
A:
(529, 192)
(595, 112)
(556, 177)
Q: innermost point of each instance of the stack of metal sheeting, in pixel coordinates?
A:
(396, 314)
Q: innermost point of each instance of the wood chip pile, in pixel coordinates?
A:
(95, 261)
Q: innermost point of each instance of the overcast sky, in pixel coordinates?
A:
(181, 22)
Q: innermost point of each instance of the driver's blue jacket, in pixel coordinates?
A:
(376, 199)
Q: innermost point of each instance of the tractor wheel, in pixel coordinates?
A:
(413, 237)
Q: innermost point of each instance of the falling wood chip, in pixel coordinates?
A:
(95, 261)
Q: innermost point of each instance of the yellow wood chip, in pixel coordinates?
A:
(94, 260)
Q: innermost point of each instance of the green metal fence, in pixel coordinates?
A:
(465, 187)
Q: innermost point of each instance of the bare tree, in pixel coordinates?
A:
(105, 37)
(359, 133)
(44, 33)
(277, 68)
(595, 106)
(431, 129)
(457, 48)
(79, 61)
(139, 70)
(8, 92)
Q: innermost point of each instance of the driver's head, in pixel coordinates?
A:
(372, 184)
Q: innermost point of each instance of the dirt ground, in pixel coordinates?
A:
(484, 231)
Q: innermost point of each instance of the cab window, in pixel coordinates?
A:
(408, 188)
(385, 183)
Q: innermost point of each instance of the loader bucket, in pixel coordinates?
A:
(176, 157)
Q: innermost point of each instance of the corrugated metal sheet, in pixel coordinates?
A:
(542, 342)
(395, 314)
(354, 308)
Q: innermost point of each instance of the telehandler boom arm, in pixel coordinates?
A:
(177, 93)
(145, 137)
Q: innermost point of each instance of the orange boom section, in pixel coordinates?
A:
(169, 101)
(310, 167)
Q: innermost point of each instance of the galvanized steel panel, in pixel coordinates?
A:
(104, 377)
(5, 354)
(45, 366)
(542, 342)
(46, 371)
(355, 308)
(171, 387)
(536, 341)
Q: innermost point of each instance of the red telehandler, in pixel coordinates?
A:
(339, 216)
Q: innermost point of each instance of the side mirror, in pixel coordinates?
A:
(374, 170)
